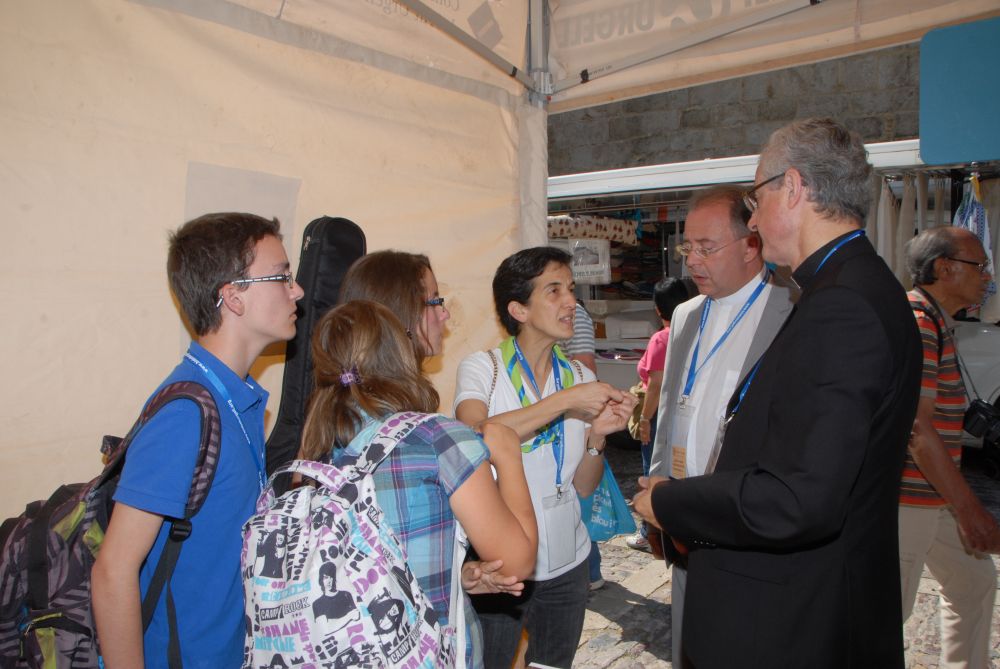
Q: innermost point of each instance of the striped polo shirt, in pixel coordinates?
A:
(942, 381)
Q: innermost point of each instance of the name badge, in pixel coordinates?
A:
(560, 515)
(681, 429)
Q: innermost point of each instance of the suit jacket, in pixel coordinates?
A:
(683, 331)
(795, 555)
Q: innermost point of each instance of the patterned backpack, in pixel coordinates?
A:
(326, 579)
(47, 552)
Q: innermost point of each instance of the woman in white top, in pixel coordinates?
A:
(528, 385)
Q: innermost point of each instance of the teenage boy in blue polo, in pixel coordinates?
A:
(231, 277)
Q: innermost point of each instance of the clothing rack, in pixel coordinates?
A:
(957, 175)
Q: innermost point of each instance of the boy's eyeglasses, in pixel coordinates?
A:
(287, 277)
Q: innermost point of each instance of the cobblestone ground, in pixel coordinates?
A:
(628, 621)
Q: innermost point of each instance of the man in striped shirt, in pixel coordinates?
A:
(941, 522)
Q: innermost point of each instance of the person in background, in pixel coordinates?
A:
(794, 554)
(581, 345)
(365, 370)
(528, 385)
(405, 283)
(667, 294)
(941, 522)
(232, 280)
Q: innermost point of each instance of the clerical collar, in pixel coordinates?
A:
(805, 272)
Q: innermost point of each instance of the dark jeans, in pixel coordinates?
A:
(552, 611)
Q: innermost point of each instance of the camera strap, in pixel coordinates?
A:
(937, 319)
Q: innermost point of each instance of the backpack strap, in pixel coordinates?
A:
(37, 545)
(394, 429)
(209, 449)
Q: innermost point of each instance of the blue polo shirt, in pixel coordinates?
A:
(207, 586)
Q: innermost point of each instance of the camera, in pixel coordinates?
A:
(982, 420)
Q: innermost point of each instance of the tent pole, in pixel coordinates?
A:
(538, 52)
(446, 26)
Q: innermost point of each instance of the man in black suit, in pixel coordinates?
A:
(793, 538)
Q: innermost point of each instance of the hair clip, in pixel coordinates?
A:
(350, 376)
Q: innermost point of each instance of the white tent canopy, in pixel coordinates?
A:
(122, 119)
(678, 43)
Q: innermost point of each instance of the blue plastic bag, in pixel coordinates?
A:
(605, 512)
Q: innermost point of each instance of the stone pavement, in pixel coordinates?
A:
(628, 621)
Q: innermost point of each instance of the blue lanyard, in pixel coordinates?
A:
(558, 444)
(854, 235)
(745, 388)
(749, 379)
(258, 454)
(694, 367)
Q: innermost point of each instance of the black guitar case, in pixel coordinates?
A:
(329, 247)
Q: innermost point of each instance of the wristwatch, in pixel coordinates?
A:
(594, 451)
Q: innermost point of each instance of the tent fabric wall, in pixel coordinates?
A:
(109, 107)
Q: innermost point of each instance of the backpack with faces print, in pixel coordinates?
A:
(326, 579)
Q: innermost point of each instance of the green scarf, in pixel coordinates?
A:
(514, 365)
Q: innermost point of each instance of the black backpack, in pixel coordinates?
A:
(47, 552)
(329, 247)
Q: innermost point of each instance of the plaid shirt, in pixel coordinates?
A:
(413, 486)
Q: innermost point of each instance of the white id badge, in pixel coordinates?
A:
(683, 418)
(559, 514)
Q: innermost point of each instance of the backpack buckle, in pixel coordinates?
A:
(180, 529)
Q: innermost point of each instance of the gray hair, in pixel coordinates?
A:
(833, 163)
(925, 248)
(739, 215)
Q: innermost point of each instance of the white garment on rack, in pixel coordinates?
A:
(940, 188)
(904, 229)
(922, 222)
(871, 223)
(888, 214)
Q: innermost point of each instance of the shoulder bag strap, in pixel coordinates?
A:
(493, 383)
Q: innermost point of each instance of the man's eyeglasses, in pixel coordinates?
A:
(435, 302)
(687, 248)
(287, 277)
(750, 197)
(983, 267)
